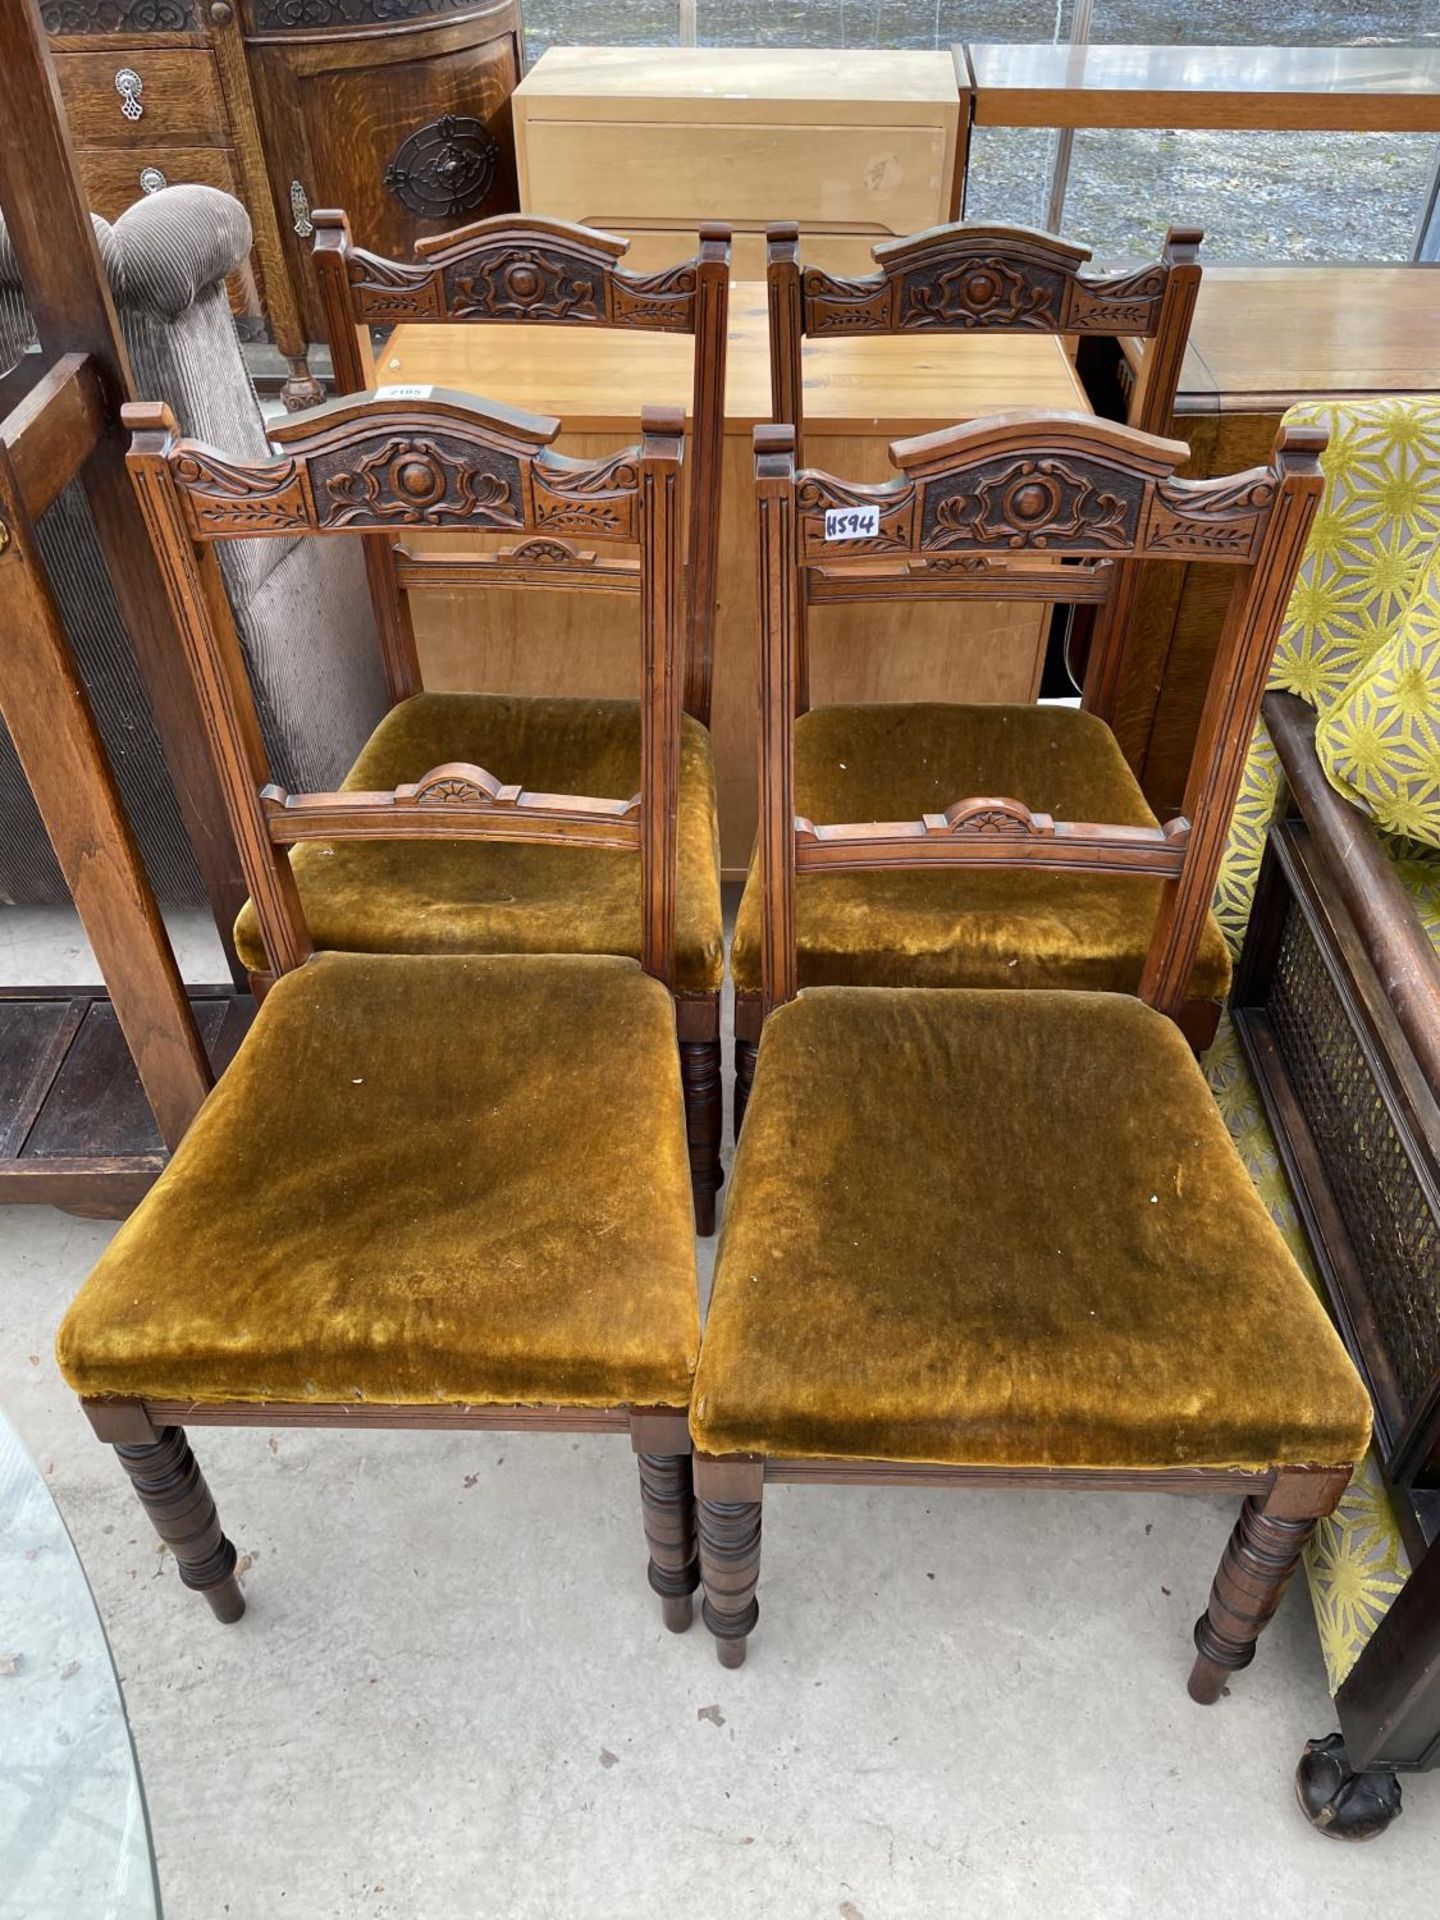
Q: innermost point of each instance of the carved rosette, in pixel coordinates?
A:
(986, 292)
(990, 820)
(527, 283)
(445, 169)
(416, 480)
(1025, 503)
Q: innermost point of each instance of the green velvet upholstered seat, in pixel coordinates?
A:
(422, 1180)
(1006, 1230)
(966, 928)
(475, 897)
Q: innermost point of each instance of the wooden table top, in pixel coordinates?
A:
(598, 380)
(1293, 331)
(1324, 89)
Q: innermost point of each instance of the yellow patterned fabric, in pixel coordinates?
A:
(1380, 742)
(1356, 1562)
(1419, 871)
(1372, 543)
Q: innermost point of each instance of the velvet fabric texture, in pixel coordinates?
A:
(999, 1229)
(424, 1180)
(967, 929)
(399, 896)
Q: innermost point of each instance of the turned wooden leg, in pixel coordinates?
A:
(667, 1501)
(173, 1492)
(301, 388)
(1262, 1553)
(730, 1561)
(747, 1052)
(704, 1123)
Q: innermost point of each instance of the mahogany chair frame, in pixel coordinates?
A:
(967, 278)
(357, 467)
(514, 269)
(1092, 566)
(1050, 503)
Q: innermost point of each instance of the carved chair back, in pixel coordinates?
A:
(526, 269)
(967, 278)
(1037, 507)
(364, 465)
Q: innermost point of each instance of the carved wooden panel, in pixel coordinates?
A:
(120, 16)
(417, 480)
(515, 274)
(305, 16)
(1041, 502)
(977, 279)
(1212, 520)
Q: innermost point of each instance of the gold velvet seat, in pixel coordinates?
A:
(389, 1198)
(1006, 1230)
(960, 927)
(502, 897)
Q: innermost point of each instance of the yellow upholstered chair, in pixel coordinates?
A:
(488, 898)
(441, 1190)
(887, 762)
(977, 1236)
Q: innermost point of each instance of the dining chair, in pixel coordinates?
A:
(510, 270)
(431, 1190)
(933, 928)
(979, 1237)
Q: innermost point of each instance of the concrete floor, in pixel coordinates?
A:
(451, 1694)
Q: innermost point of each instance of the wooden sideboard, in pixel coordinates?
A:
(859, 395)
(858, 146)
(397, 110)
(1262, 339)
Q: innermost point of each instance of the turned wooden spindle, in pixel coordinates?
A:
(172, 1490)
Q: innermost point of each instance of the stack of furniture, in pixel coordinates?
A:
(399, 111)
(646, 140)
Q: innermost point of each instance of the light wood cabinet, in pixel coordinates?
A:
(857, 146)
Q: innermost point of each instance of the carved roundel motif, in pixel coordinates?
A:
(445, 169)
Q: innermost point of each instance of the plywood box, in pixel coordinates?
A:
(857, 146)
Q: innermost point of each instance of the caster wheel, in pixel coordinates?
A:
(1338, 1801)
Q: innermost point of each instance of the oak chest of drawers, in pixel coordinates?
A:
(857, 146)
(396, 110)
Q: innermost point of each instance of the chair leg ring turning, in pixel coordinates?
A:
(730, 1568)
(667, 1500)
(172, 1490)
(1262, 1553)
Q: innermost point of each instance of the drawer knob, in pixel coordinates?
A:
(300, 211)
(152, 180)
(129, 86)
(222, 14)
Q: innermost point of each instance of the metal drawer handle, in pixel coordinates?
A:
(152, 180)
(129, 86)
(300, 211)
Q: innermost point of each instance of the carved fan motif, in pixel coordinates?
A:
(527, 283)
(413, 480)
(1030, 503)
(221, 497)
